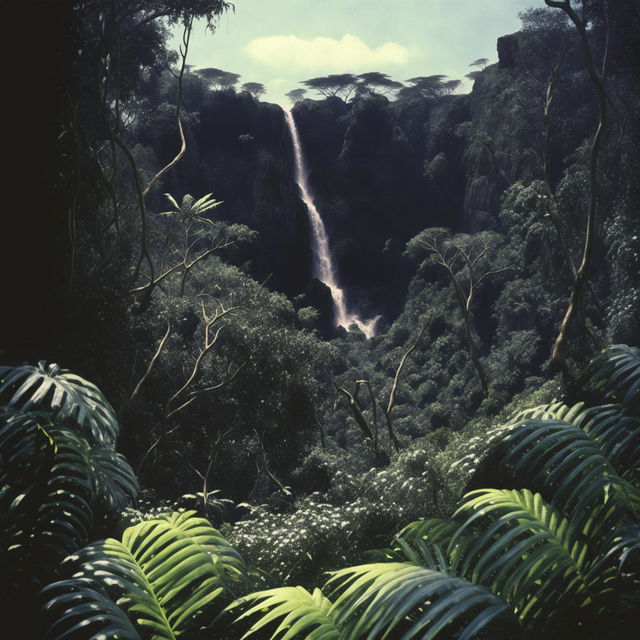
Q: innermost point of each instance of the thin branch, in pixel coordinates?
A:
(153, 361)
(184, 49)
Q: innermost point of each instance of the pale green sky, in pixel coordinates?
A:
(280, 42)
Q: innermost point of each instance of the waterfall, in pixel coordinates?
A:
(323, 267)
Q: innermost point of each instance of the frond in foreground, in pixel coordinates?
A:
(67, 396)
(168, 575)
(300, 613)
(405, 600)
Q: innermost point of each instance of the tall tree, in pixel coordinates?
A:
(466, 262)
(598, 74)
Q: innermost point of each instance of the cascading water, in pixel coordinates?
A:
(323, 267)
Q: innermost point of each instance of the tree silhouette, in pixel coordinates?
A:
(295, 95)
(480, 62)
(425, 87)
(340, 85)
(256, 89)
(218, 79)
(375, 82)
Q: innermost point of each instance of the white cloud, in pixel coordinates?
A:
(349, 53)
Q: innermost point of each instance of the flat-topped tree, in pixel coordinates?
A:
(375, 82)
(295, 95)
(450, 86)
(341, 85)
(218, 79)
(425, 87)
(256, 89)
(480, 62)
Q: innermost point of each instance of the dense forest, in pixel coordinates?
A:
(193, 445)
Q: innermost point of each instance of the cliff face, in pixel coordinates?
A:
(382, 171)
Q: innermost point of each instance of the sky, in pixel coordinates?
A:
(281, 42)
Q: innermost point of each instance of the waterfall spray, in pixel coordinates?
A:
(323, 267)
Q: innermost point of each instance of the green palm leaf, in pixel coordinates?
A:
(560, 457)
(301, 614)
(405, 600)
(79, 609)
(529, 554)
(616, 432)
(616, 373)
(114, 482)
(46, 514)
(66, 396)
(167, 574)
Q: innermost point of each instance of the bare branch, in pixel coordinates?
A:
(153, 361)
(183, 141)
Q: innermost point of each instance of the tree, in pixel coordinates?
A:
(256, 89)
(377, 83)
(598, 75)
(465, 260)
(370, 428)
(218, 79)
(450, 86)
(337, 85)
(190, 232)
(480, 62)
(424, 86)
(295, 95)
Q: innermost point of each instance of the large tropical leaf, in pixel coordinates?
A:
(404, 600)
(299, 613)
(616, 432)
(568, 463)
(168, 575)
(616, 373)
(68, 397)
(113, 480)
(46, 514)
(528, 553)
(77, 608)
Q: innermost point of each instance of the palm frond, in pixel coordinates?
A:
(114, 482)
(68, 397)
(46, 514)
(616, 374)
(77, 608)
(167, 574)
(405, 600)
(552, 411)
(529, 553)
(616, 432)
(298, 611)
(173, 201)
(569, 463)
